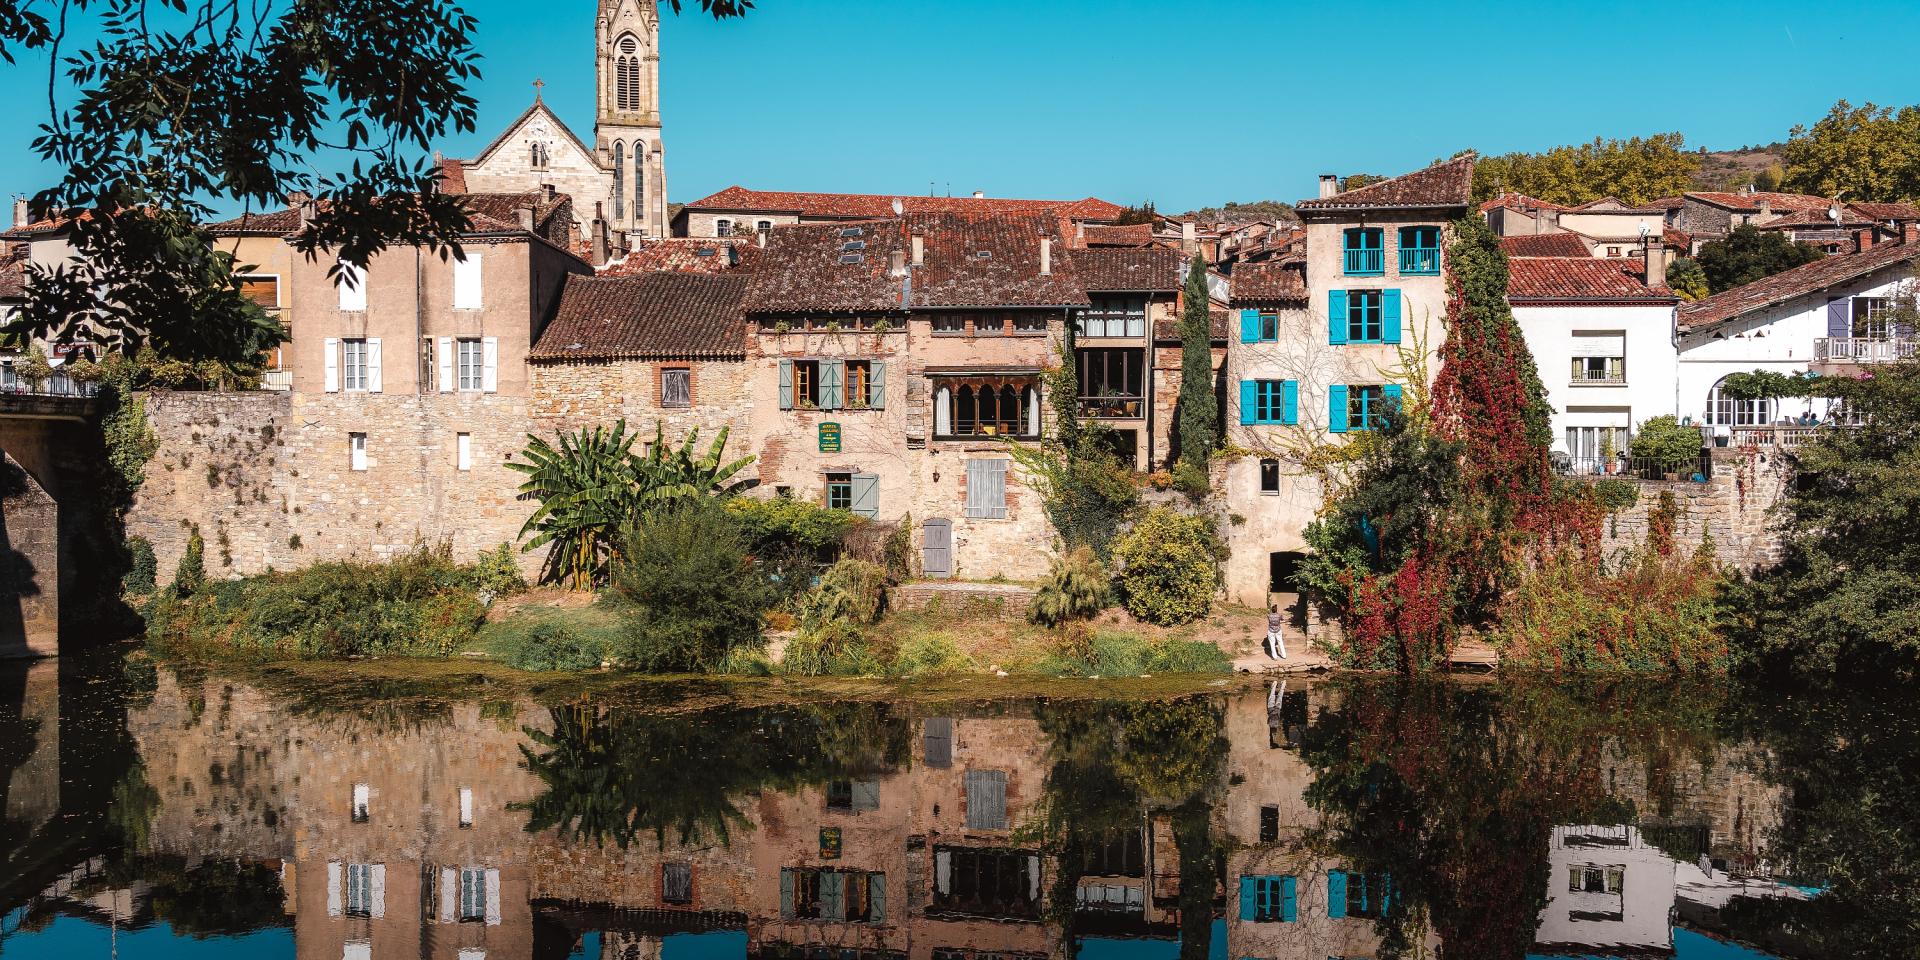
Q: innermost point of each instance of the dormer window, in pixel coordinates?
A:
(1364, 252)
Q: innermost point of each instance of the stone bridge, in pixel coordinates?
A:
(55, 545)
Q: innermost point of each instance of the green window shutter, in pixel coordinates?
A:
(1336, 317)
(1290, 403)
(786, 882)
(877, 385)
(1390, 392)
(1337, 408)
(786, 384)
(866, 495)
(1249, 326)
(1289, 900)
(833, 895)
(832, 375)
(877, 897)
(1246, 898)
(1336, 894)
(1386, 894)
(1249, 400)
(1390, 310)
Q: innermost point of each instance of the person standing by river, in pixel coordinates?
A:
(1276, 645)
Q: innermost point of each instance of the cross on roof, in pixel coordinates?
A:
(537, 84)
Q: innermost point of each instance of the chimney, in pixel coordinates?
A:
(919, 249)
(306, 205)
(979, 194)
(1766, 208)
(600, 241)
(897, 263)
(548, 191)
(1046, 256)
(526, 217)
(1910, 232)
(1079, 233)
(1187, 238)
(20, 217)
(1329, 185)
(1657, 258)
(1863, 239)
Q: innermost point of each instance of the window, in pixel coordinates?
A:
(1269, 824)
(1005, 408)
(986, 789)
(1613, 251)
(859, 382)
(357, 451)
(362, 794)
(352, 284)
(849, 895)
(619, 182)
(1599, 356)
(470, 360)
(473, 895)
(989, 324)
(1112, 381)
(1420, 251)
(626, 74)
(1269, 476)
(463, 451)
(466, 281)
(1115, 316)
(986, 882)
(676, 882)
(1110, 898)
(1360, 407)
(466, 806)
(1872, 318)
(949, 323)
(1365, 320)
(987, 489)
(840, 491)
(1596, 449)
(763, 226)
(353, 364)
(1029, 322)
(1363, 252)
(537, 155)
(676, 387)
(937, 737)
(362, 950)
(1725, 411)
(360, 900)
(1269, 401)
(1358, 894)
(805, 387)
(1588, 878)
(1269, 899)
(723, 228)
(1599, 370)
(853, 796)
(262, 290)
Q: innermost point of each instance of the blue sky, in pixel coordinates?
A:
(1185, 103)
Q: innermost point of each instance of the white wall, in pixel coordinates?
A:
(1644, 902)
(1650, 367)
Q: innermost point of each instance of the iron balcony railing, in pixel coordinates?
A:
(1419, 261)
(56, 386)
(1112, 407)
(1362, 262)
(1865, 349)
(1638, 468)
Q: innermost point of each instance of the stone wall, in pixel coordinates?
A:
(568, 396)
(29, 565)
(1734, 508)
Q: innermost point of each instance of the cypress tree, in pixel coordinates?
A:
(1199, 414)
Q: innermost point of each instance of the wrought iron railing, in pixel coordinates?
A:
(277, 380)
(1362, 262)
(56, 386)
(1112, 408)
(1635, 468)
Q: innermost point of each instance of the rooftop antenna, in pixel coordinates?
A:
(929, 188)
(898, 207)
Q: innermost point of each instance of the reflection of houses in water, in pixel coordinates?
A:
(1607, 886)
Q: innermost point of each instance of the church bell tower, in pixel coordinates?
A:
(627, 123)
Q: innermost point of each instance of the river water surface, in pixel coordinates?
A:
(154, 812)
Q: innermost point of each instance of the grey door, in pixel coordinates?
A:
(936, 547)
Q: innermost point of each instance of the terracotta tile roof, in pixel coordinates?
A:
(1131, 235)
(1676, 237)
(1166, 329)
(686, 255)
(489, 213)
(1888, 211)
(1519, 201)
(809, 267)
(957, 274)
(1817, 219)
(1666, 203)
(1778, 202)
(43, 225)
(1563, 244)
(13, 274)
(649, 315)
(1268, 281)
(1804, 279)
(1578, 278)
(1154, 269)
(858, 206)
(1614, 205)
(1447, 184)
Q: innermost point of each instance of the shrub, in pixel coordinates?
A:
(1076, 588)
(836, 647)
(1665, 441)
(1191, 479)
(929, 654)
(191, 573)
(1169, 567)
(143, 570)
(852, 591)
(1117, 653)
(496, 574)
(785, 522)
(1185, 656)
(552, 646)
(692, 587)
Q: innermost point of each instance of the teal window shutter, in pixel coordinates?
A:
(786, 880)
(1249, 401)
(1289, 900)
(1390, 309)
(1336, 894)
(1337, 408)
(1246, 898)
(833, 895)
(877, 385)
(1386, 894)
(786, 384)
(1249, 326)
(877, 897)
(1389, 392)
(1336, 316)
(832, 375)
(1290, 402)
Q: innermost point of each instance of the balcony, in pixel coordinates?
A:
(1779, 436)
(1864, 349)
(1419, 261)
(1112, 407)
(1639, 468)
(1363, 262)
(277, 380)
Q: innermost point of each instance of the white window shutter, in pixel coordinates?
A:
(331, 350)
(493, 898)
(373, 365)
(333, 888)
(466, 282)
(490, 364)
(379, 889)
(942, 871)
(352, 284)
(449, 892)
(443, 358)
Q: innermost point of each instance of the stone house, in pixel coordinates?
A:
(1712, 214)
(1125, 381)
(739, 211)
(1318, 350)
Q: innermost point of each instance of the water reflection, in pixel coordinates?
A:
(170, 814)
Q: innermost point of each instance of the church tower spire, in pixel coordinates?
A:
(627, 121)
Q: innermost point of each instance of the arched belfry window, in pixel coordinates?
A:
(626, 74)
(640, 179)
(619, 182)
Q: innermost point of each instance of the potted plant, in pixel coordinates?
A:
(1667, 445)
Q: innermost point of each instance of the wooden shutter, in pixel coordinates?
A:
(493, 898)
(786, 384)
(490, 364)
(373, 365)
(877, 385)
(832, 377)
(1249, 401)
(1336, 317)
(1839, 318)
(833, 895)
(1290, 402)
(1336, 894)
(938, 735)
(786, 893)
(1249, 326)
(333, 888)
(986, 799)
(1337, 408)
(330, 351)
(377, 890)
(866, 795)
(264, 291)
(466, 282)
(1289, 900)
(1246, 899)
(943, 871)
(877, 897)
(449, 893)
(866, 495)
(443, 355)
(1390, 315)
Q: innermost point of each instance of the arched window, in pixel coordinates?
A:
(1725, 411)
(626, 74)
(1012, 422)
(619, 182)
(965, 416)
(537, 155)
(640, 181)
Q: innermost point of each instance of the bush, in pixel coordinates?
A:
(1192, 479)
(1665, 441)
(1169, 567)
(836, 647)
(552, 646)
(692, 587)
(1116, 653)
(785, 522)
(1076, 588)
(191, 574)
(496, 574)
(853, 591)
(929, 654)
(143, 570)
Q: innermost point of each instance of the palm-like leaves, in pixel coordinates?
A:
(592, 485)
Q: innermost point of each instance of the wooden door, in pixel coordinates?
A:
(936, 547)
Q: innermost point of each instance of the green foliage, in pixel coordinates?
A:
(1119, 653)
(1088, 492)
(418, 604)
(930, 654)
(687, 576)
(555, 646)
(1488, 346)
(1748, 254)
(773, 521)
(1614, 494)
(125, 432)
(851, 591)
(835, 647)
(1278, 211)
(191, 573)
(1132, 215)
(1687, 280)
(1169, 566)
(593, 486)
(143, 569)
(1197, 411)
(538, 637)
(1846, 593)
(1403, 479)
(1635, 170)
(219, 898)
(1666, 442)
(32, 366)
(1769, 385)
(1867, 153)
(1076, 588)
(497, 573)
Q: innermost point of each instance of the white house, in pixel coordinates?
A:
(1826, 316)
(1602, 340)
(1606, 886)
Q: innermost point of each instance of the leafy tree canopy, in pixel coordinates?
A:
(1866, 153)
(1635, 170)
(1748, 254)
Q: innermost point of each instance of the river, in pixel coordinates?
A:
(180, 813)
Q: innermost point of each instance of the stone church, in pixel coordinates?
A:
(624, 173)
